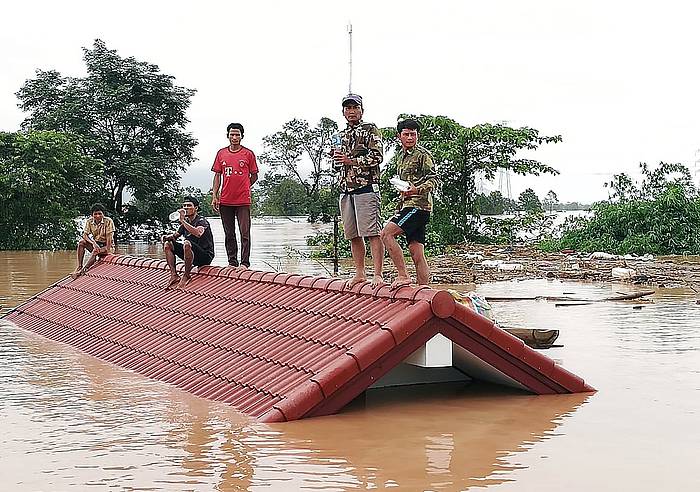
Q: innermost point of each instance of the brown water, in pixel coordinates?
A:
(72, 422)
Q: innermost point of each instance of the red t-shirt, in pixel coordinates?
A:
(235, 168)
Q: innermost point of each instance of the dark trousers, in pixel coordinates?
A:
(229, 216)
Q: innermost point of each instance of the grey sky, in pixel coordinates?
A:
(617, 80)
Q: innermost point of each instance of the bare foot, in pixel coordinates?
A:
(355, 280)
(377, 281)
(173, 280)
(400, 282)
(242, 267)
(77, 272)
(183, 281)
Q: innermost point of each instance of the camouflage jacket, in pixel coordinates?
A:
(416, 166)
(363, 144)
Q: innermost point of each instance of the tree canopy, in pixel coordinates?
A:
(45, 183)
(659, 215)
(301, 177)
(127, 115)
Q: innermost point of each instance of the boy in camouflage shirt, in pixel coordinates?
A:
(415, 165)
(357, 164)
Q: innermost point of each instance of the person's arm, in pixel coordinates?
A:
(430, 180)
(195, 231)
(215, 190)
(109, 236)
(108, 246)
(253, 178)
(86, 234)
(426, 183)
(169, 237)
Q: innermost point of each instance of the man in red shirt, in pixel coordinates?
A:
(235, 171)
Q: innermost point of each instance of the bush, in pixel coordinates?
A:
(666, 223)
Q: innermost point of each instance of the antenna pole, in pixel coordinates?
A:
(350, 58)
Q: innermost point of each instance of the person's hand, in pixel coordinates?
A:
(412, 191)
(182, 215)
(165, 238)
(215, 203)
(340, 158)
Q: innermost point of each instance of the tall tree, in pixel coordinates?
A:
(461, 154)
(550, 200)
(529, 201)
(45, 183)
(300, 153)
(127, 114)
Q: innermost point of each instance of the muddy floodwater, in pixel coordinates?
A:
(72, 422)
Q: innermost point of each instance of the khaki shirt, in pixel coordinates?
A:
(100, 231)
(363, 144)
(416, 166)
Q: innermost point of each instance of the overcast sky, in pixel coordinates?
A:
(618, 80)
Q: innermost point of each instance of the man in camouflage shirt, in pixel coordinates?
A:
(415, 166)
(357, 164)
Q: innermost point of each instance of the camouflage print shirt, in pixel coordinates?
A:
(416, 166)
(363, 144)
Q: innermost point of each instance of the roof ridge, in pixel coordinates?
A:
(405, 292)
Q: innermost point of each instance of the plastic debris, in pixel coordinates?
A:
(620, 272)
(491, 263)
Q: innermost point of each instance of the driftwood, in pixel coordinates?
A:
(571, 300)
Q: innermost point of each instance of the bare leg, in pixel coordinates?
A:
(357, 246)
(91, 261)
(376, 246)
(189, 257)
(418, 255)
(170, 259)
(388, 236)
(82, 246)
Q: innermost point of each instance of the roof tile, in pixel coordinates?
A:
(274, 345)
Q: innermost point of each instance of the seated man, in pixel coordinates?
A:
(98, 238)
(198, 246)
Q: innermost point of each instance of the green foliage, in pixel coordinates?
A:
(529, 226)
(659, 216)
(322, 244)
(128, 115)
(45, 183)
(302, 180)
(462, 155)
(529, 202)
(280, 195)
(493, 204)
(551, 200)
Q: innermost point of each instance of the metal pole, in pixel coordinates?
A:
(335, 244)
(350, 58)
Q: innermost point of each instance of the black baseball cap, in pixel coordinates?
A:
(352, 98)
(192, 199)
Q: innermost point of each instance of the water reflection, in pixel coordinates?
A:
(453, 437)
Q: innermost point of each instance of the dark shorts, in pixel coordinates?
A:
(412, 222)
(201, 257)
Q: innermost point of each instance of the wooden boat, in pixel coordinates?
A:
(534, 337)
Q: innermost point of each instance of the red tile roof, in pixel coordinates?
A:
(275, 346)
